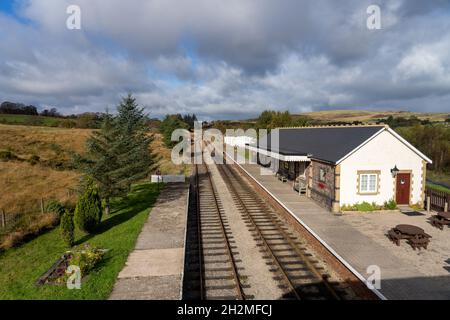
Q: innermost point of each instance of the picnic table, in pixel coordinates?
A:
(409, 229)
(415, 236)
(440, 220)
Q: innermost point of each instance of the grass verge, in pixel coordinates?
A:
(21, 267)
(437, 187)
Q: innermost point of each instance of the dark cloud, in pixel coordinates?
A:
(228, 59)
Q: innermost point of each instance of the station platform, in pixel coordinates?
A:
(154, 269)
(400, 279)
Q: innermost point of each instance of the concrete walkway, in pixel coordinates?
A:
(154, 269)
(400, 279)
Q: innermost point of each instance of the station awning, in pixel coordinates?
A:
(282, 157)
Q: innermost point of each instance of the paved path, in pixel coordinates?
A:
(154, 269)
(400, 280)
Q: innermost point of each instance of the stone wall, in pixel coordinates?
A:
(322, 191)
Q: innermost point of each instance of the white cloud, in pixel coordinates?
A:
(227, 59)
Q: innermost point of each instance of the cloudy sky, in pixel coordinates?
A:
(226, 59)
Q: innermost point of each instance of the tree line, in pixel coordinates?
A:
(433, 141)
(172, 122)
(17, 108)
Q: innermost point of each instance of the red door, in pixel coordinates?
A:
(403, 188)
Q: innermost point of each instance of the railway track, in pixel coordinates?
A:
(299, 274)
(211, 268)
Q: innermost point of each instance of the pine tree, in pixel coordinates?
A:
(119, 154)
(101, 160)
(132, 144)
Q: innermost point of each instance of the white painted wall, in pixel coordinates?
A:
(381, 153)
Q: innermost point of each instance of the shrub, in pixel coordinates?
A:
(88, 212)
(86, 258)
(365, 206)
(417, 206)
(7, 156)
(67, 228)
(56, 207)
(390, 205)
(347, 207)
(34, 159)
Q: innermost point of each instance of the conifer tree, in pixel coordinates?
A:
(67, 228)
(102, 159)
(132, 144)
(119, 153)
(88, 212)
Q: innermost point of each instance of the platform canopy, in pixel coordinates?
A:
(282, 157)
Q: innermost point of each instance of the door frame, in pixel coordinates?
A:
(410, 185)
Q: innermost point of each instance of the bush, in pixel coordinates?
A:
(7, 156)
(390, 205)
(88, 212)
(86, 258)
(56, 207)
(67, 228)
(34, 159)
(365, 206)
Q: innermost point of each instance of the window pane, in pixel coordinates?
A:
(322, 175)
(372, 183)
(364, 182)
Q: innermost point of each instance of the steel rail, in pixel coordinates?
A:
(261, 237)
(284, 234)
(235, 276)
(199, 236)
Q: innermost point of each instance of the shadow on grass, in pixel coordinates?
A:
(140, 198)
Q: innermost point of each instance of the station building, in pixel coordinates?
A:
(345, 165)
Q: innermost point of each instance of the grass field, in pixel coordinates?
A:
(21, 267)
(24, 184)
(23, 119)
(47, 143)
(370, 116)
(164, 158)
(437, 187)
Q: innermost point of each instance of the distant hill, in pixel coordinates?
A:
(370, 116)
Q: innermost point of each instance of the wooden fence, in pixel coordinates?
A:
(8, 218)
(439, 200)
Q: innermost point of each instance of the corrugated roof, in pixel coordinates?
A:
(323, 143)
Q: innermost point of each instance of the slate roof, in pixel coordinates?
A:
(329, 144)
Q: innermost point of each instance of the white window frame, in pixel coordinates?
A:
(368, 190)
